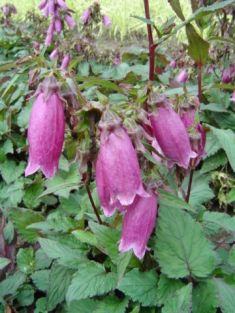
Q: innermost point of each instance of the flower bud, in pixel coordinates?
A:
(50, 34)
(138, 224)
(172, 136)
(86, 16)
(106, 21)
(54, 54)
(70, 21)
(65, 62)
(118, 175)
(173, 64)
(226, 77)
(46, 130)
(182, 77)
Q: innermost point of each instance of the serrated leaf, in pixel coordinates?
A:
(25, 260)
(181, 302)
(140, 286)
(21, 219)
(10, 285)
(181, 247)
(25, 296)
(222, 220)
(226, 139)
(213, 162)
(122, 263)
(91, 280)
(41, 306)
(59, 281)
(225, 295)
(168, 199)
(41, 279)
(10, 171)
(167, 288)
(63, 183)
(231, 195)
(212, 144)
(41, 260)
(205, 298)
(4, 262)
(107, 239)
(112, 304)
(31, 195)
(65, 255)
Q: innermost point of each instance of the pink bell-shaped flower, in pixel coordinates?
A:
(118, 175)
(46, 130)
(106, 21)
(172, 136)
(182, 77)
(138, 224)
(86, 16)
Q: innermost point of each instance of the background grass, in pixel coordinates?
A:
(120, 12)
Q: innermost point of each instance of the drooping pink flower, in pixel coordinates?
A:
(226, 77)
(62, 4)
(65, 62)
(70, 21)
(118, 175)
(86, 16)
(58, 25)
(46, 130)
(106, 21)
(50, 34)
(138, 224)
(172, 136)
(182, 77)
(233, 97)
(54, 54)
(173, 64)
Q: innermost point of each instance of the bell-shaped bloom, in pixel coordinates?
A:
(50, 34)
(172, 136)
(46, 130)
(86, 16)
(226, 77)
(182, 77)
(65, 62)
(173, 64)
(54, 54)
(118, 175)
(106, 21)
(70, 21)
(138, 224)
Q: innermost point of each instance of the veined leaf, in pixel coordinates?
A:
(181, 301)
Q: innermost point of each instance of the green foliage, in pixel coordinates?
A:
(141, 287)
(181, 247)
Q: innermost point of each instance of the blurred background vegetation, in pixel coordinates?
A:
(120, 12)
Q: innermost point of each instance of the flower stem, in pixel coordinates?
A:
(189, 185)
(93, 203)
(199, 81)
(152, 48)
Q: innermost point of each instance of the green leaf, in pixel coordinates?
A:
(91, 280)
(10, 171)
(107, 239)
(167, 288)
(212, 144)
(66, 256)
(226, 139)
(63, 182)
(225, 295)
(21, 219)
(41, 306)
(41, 279)
(10, 285)
(85, 237)
(205, 298)
(4, 262)
(59, 281)
(31, 195)
(168, 199)
(122, 263)
(41, 260)
(231, 258)
(198, 48)
(213, 162)
(25, 296)
(9, 232)
(201, 191)
(231, 195)
(112, 304)
(221, 220)
(82, 306)
(181, 247)
(181, 302)
(175, 4)
(25, 260)
(140, 286)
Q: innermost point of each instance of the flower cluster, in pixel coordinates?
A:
(8, 10)
(59, 13)
(93, 12)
